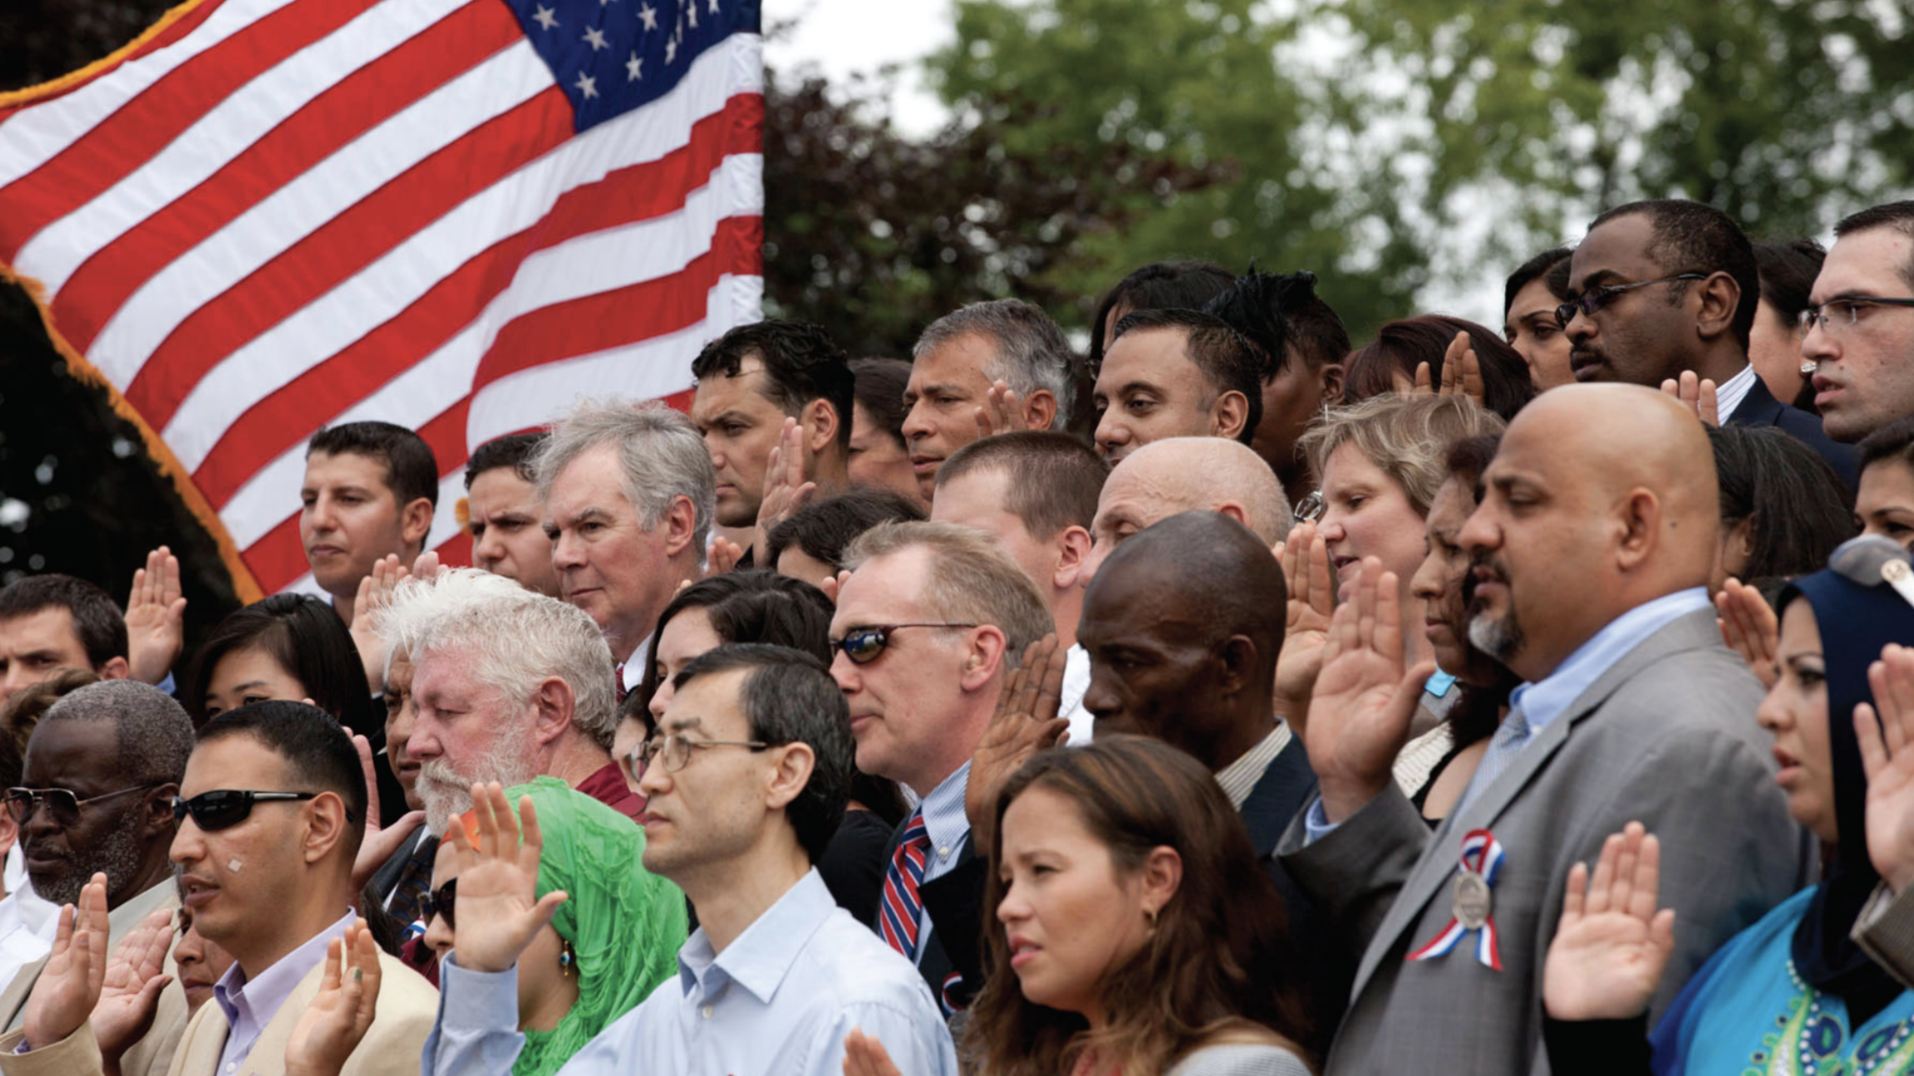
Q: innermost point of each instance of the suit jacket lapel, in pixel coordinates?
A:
(1757, 408)
(269, 1050)
(1443, 853)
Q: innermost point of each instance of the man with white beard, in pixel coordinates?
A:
(508, 685)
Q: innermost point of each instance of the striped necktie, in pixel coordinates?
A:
(618, 680)
(897, 917)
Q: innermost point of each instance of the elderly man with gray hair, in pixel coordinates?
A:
(984, 369)
(507, 685)
(629, 495)
(102, 768)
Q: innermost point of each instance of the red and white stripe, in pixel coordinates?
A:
(283, 214)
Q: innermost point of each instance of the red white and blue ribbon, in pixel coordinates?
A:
(1482, 856)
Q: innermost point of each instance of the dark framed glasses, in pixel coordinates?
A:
(1595, 298)
(226, 807)
(61, 804)
(439, 902)
(865, 642)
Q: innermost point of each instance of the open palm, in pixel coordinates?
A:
(338, 1017)
(1886, 733)
(130, 989)
(69, 984)
(1024, 723)
(1311, 603)
(1364, 700)
(1612, 943)
(498, 911)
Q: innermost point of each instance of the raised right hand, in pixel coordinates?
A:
(865, 1056)
(1024, 723)
(497, 910)
(1311, 591)
(1364, 700)
(1611, 944)
(70, 983)
(375, 590)
(1886, 732)
(129, 994)
(336, 1021)
(1749, 628)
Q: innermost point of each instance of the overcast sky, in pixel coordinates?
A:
(848, 37)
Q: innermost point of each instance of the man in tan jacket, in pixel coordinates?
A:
(272, 807)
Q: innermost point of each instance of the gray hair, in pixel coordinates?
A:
(661, 453)
(1031, 354)
(153, 737)
(1406, 437)
(516, 638)
(971, 581)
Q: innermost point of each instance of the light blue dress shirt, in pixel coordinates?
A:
(948, 827)
(1544, 700)
(779, 999)
(250, 1004)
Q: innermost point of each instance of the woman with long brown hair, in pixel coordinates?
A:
(1138, 936)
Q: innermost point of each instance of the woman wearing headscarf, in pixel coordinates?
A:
(613, 940)
(1793, 993)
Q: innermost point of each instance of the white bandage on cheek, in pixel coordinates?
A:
(234, 864)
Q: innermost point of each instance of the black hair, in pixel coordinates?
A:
(1183, 285)
(515, 450)
(1800, 508)
(1402, 345)
(880, 385)
(1055, 479)
(1225, 357)
(411, 471)
(754, 605)
(1896, 215)
(788, 696)
(1695, 237)
(824, 529)
(1550, 266)
(308, 640)
(97, 618)
(318, 753)
(1281, 312)
(801, 363)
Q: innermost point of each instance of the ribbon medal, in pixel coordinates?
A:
(1473, 903)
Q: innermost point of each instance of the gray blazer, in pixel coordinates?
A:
(1666, 737)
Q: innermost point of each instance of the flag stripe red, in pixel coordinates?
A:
(343, 246)
(146, 124)
(176, 30)
(630, 194)
(357, 103)
(623, 315)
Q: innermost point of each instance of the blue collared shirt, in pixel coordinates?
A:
(779, 999)
(947, 826)
(250, 1004)
(1545, 700)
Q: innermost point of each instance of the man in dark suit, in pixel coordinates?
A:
(1183, 624)
(1667, 288)
(930, 622)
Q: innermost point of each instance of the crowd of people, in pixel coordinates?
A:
(1235, 701)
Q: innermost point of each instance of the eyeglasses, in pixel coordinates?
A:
(1595, 298)
(439, 902)
(227, 807)
(1843, 312)
(674, 750)
(1310, 509)
(61, 805)
(864, 643)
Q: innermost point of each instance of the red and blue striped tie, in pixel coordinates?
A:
(898, 916)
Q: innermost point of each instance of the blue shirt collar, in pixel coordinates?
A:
(759, 958)
(1545, 700)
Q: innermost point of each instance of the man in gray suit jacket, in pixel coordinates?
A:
(1594, 536)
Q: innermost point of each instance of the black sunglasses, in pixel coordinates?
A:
(864, 643)
(61, 804)
(439, 902)
(226, 807)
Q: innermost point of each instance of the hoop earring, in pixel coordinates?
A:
(567, 962)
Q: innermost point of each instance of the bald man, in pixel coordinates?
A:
(1183, 630)
(1184, 474)
(1592, 542)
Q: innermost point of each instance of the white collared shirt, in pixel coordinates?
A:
(1730, 393)
(1076, 684)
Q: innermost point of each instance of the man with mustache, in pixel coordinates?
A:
(507, 685)
(1592, 541)
(1665, 292)
(101, 770)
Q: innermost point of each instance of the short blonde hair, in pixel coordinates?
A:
(971, 582)
(1406, 437)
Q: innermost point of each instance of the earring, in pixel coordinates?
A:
(1151, 916)
(566, 961)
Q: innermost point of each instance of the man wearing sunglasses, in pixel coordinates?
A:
(101, 770)
(1859, 324)
(1668, 289)
(271, 812)
(928, 625)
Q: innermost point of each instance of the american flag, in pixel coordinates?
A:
(265, 216)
